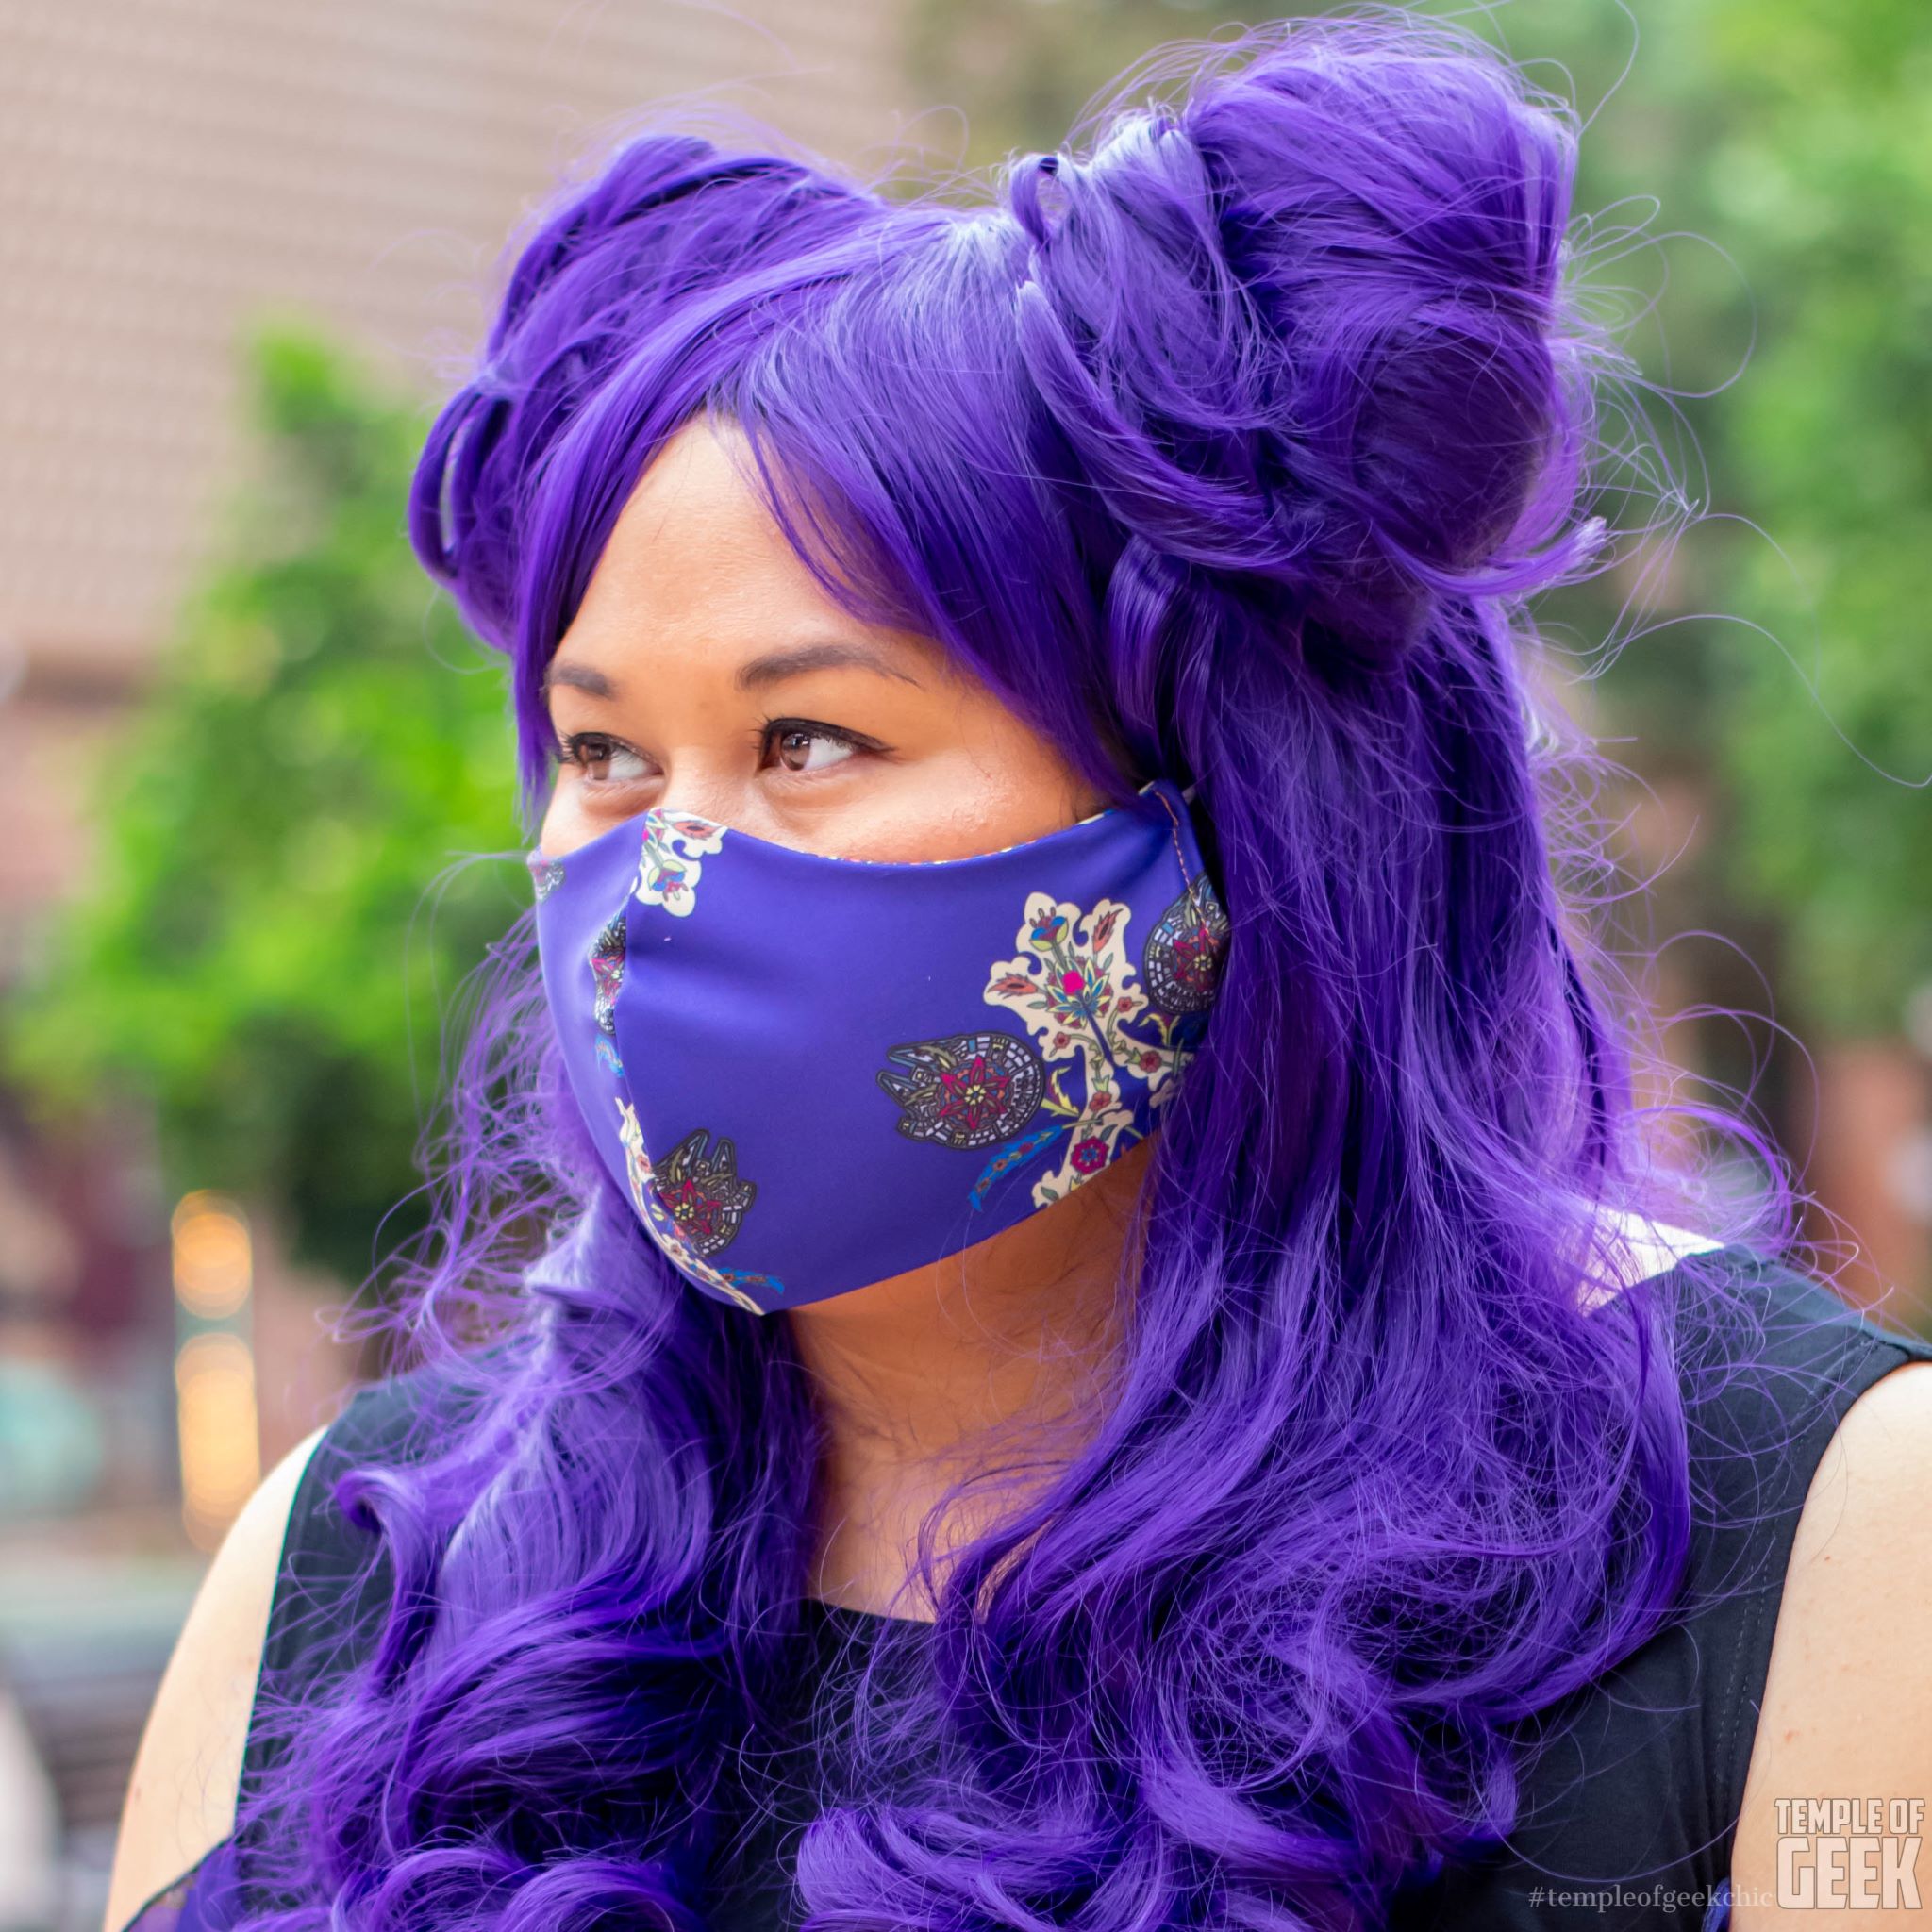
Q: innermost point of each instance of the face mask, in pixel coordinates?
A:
(809, 1074)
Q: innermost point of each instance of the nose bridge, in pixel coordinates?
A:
(709, 801)
(701, 785)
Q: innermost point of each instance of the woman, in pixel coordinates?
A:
(1050, 1305)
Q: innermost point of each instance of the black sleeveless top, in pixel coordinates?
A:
(1629, 1804)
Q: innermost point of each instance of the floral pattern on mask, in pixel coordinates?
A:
(1180, 965)
(607, 973)
(701, 1186)
(696, 1170)
(676, 845)
(1075, 988)
(969, 1089)
(547, 873)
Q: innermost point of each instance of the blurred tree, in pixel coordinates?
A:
(1820, 176)
(263, 952)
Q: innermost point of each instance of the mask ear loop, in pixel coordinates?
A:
(1173, 832)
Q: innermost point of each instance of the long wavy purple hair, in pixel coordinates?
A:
(1227, 446)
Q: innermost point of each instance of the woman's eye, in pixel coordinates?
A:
(799, 746)
(601, 760)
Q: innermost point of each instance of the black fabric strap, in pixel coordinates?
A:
(334, 1581)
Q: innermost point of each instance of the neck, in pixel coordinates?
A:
(993, 1358)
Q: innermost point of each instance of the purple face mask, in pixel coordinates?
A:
(809, 1074)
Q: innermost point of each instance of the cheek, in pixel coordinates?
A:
(1020, 785)
(969, 800)
(565, 824)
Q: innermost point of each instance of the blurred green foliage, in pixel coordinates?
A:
(1820, 178)
(1778, 156)
(264, 948)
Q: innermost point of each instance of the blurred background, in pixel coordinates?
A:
(243, 246)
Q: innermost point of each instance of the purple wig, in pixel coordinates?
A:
(1225, 446)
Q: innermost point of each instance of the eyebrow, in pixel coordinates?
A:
(756, 673)
(774, 666)
(578, 677)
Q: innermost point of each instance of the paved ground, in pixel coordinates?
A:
(84, 1636)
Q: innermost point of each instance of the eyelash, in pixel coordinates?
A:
(570, 746)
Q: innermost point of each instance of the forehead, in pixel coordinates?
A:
(695, 539)
(698, 568)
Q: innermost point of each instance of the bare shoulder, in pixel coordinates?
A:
(1636, 1248)
(182, 1795)
(1847, 1710)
